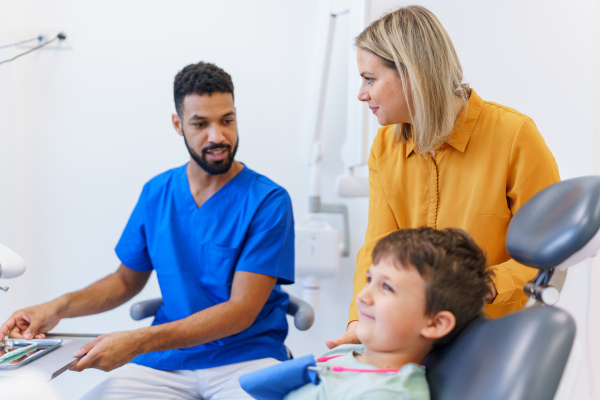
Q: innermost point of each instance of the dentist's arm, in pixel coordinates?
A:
(103, 295)
(249, 293)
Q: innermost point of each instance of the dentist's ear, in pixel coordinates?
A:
(439, 325)
(177, 123)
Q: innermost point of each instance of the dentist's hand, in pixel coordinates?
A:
(345, 338)
(31, 322)
(108, 352)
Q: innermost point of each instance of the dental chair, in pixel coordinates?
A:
(523, 355)
(303, 313)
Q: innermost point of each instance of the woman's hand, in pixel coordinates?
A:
(345, 338)
(492, 292)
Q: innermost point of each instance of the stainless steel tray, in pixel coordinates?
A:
(44, 346)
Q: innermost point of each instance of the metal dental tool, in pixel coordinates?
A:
(7, 344)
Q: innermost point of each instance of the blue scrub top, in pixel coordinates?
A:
(247, 225)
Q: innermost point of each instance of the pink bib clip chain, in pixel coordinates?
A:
(339, 368)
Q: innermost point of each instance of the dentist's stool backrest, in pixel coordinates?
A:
(303, 313)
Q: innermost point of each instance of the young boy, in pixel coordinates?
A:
(423, 288)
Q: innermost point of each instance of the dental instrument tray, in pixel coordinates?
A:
(25, 351)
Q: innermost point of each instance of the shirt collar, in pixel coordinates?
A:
(463, 128)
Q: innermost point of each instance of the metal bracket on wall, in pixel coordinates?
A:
(315, 206)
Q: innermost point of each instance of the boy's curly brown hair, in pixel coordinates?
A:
(452, 266)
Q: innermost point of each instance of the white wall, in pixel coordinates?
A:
(81, 130)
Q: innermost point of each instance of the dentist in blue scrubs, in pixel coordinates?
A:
(221, 240)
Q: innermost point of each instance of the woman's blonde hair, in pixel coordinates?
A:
(414, 42)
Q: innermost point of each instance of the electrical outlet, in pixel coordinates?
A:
(46, 33)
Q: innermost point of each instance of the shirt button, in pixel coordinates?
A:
(432, 200)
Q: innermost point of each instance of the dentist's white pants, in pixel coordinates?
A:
(134, 381)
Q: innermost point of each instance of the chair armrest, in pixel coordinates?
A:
(303, 313)
(145, 309)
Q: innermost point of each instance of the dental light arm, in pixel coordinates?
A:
(11, 265)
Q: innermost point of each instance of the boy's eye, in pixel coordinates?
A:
(388, 287)
(369, 80)
(227, 121)
(199, 124)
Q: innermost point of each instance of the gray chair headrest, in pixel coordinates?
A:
(555, 223)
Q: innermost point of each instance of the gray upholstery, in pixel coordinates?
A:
(522, 355)
(518, 357)
(145, 309)
(555, 223)
(303, 313)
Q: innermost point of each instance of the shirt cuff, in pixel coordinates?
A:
(504, 283)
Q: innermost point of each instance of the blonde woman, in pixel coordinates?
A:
(444, 157)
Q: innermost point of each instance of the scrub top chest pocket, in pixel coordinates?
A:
(218, 268)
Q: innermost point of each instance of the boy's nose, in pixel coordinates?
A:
(364, 296)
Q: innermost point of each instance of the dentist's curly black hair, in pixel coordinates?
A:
(201, 78)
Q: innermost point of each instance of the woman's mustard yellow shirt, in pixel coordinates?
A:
(494, 161)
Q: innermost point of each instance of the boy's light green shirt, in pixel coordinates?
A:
(407, 384)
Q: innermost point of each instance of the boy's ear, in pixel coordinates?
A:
(439, 326)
